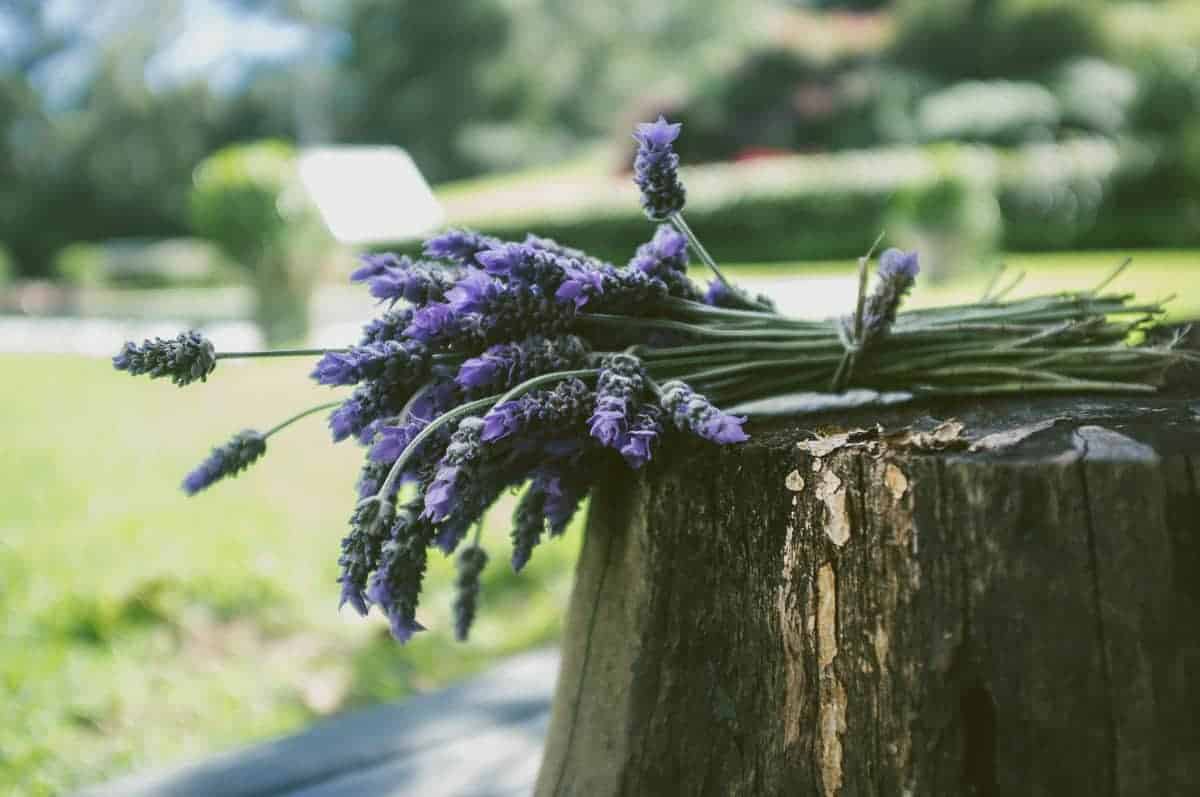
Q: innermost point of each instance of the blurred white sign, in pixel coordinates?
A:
(370, 195)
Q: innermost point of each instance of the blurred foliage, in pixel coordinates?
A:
(397, 83)
(954, 222)
(1095, 95)
(96, 147)
(989, 112)
(248, 200)
(169, 263)
(1067, 195)
(6, 266)
(982, 39)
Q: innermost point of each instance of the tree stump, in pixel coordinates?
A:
(889, 613)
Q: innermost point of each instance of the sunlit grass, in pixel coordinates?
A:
(142, 627)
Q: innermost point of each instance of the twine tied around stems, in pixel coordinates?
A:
(850, 329)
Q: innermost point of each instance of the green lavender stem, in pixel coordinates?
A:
(326, 406)
(235, 355)
(681, 225)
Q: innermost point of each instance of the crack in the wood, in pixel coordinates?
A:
(662, 591)
(587, 654)
(1101, 636)
(861, 478)
(978, 712)
(959, 654)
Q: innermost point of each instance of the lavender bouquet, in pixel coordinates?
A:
(498, 364)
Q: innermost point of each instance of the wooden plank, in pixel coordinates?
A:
(513, 697)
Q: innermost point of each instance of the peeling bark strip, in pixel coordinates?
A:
(855, 617)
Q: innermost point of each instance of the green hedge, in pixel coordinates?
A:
(1089, 193)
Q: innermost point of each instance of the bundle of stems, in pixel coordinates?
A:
(1068, 342)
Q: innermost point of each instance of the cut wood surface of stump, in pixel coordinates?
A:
(890, 602)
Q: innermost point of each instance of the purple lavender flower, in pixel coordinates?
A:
(558, 409)
(433, 400)
(395, 585)
(692, 412)
(565, 490)
(528, 264)
(360, 554)
(656, 169)
(897, 273)
(666, 251)
(470, 565)
(392, 361)
(369, 402)
(898, 264)
(721, 295)
(504, 365)
(460, 246)
(484, 310)
(638, 447)
(473, 293)
(456, 470)
(389, 326)
(390, 441)
(630, 291)
(226, 460)
(432, 323)
(553, 246)
(373, 265)
(581, 285)
(187, 358)
(529, 523)
(337, 368)
(416, 283)
(620, 385)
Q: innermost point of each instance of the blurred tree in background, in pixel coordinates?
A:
(418, 73)
(248, 200)
(102, 128)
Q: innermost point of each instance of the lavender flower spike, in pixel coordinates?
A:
(621, 383)
(897, 273)
(396, 582)
(227, 460)
(470, 565)
(692, 411)
(456, 471)
(529, 522)
(638, 448)
(460, 246)
(187, 358)
(506, 364)
(656, 169)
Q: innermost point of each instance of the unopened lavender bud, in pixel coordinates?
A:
(529, 522)
(470, 565)
(185, 359)
(693, 412)
(229, 459)
(897, 273)
(656, 169)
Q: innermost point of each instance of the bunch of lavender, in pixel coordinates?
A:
(496, 364)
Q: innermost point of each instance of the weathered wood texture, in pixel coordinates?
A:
(879, 620)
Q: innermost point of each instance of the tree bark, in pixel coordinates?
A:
(895, 615)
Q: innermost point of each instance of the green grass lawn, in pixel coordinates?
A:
(142, 627)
